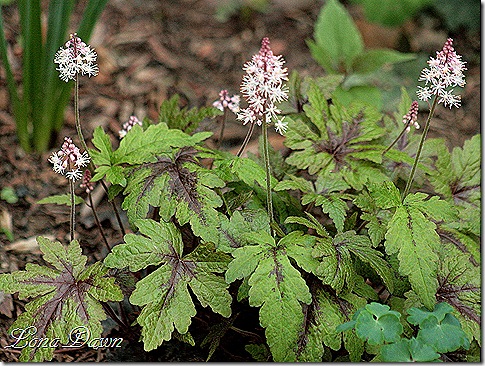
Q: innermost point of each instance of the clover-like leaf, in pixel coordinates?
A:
(65, 295)
(377, 324)
(408, 350)
(164, 293)
(444, 336)
(275, 285)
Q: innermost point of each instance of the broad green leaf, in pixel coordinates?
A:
(385, 195)
(64, 298)
(373, 60)
(164, 293)
(337, 39)
(61, 199)
(391, 13)
(408, 350)
(444, 336)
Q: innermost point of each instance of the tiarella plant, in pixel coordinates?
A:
(361, 221)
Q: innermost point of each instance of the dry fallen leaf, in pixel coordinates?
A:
(29, 245)
(6, 304)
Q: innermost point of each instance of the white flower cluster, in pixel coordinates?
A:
(76, 58)
(444, 72)
(263, 87)
(69, 160)
(128, 126)
(225, 101)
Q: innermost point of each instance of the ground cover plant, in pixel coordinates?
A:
(362, 243)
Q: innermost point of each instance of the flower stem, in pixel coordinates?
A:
(223, 125)
(246, 140)
(397, 139)
(76, 114)
(72, 220)
(269, 199)
(98, 224)
(85, 147)
(420, 148)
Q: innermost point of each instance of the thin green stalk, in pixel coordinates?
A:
(76, 114)
(420, 148)
(397, 139)
(223, 124)
(246, 140)
(85, 147)
(269, 198)
(72, 220)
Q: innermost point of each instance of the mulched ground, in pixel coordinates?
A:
(149, 50)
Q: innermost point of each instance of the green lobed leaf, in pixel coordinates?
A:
(64, 298)
(408, 350)
(413, 237)
(277, 287)
(377, 324)
(444, 336)
(163, 294)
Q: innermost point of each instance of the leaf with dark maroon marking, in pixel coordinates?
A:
(336, 140)
(164, 293)
(179, 187)
(275, 285)
(64, 297)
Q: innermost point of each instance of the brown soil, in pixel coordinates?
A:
(149, 50)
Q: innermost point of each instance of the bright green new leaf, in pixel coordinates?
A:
(164, 294)
(65, 295)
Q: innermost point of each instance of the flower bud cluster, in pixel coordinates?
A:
(129, 125)
(68, 161)
(411, 117)
(444, 73)
(263, 87)
(225, 101)
(76, 58)
(86, 182)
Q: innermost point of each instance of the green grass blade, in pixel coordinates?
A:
(21, 118)
(57, 25)
(30, 17)
(90, 17)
